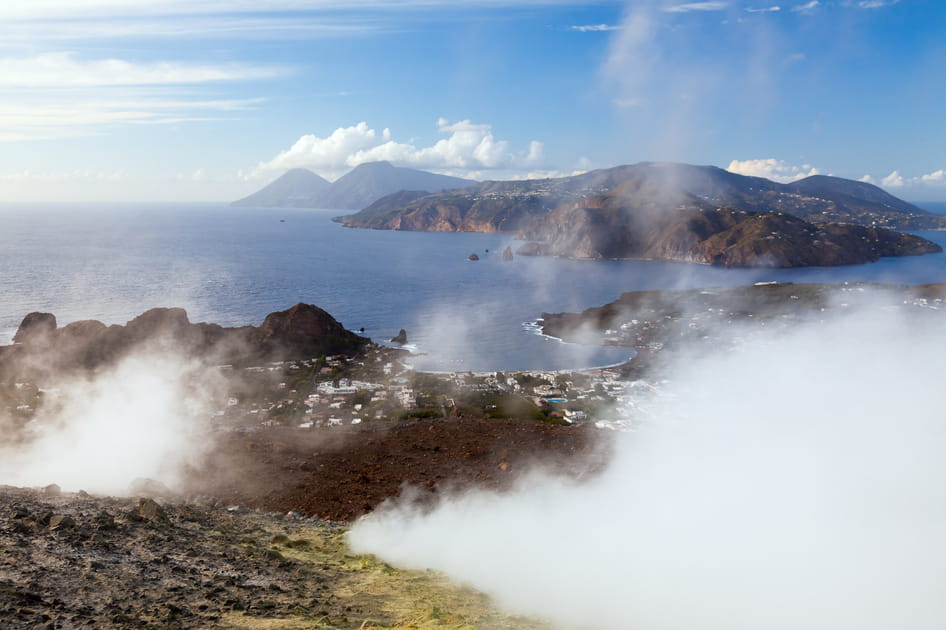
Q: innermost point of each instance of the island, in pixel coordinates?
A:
(668, 211)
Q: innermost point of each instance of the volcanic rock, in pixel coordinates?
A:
(149, 510)
(400, 338)
(473, 256)
(61, 521)
(35, 327)
(306, 330)
(303, 331)
(507, 253)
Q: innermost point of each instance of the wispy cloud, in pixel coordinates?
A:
(697, 6)
(59, 9)
(593, 28)
(215, 27)
(64, 69)
(876, 4)
(807, 7)
(771, 168)
(468, 147)
(772, 9)
(38, 120)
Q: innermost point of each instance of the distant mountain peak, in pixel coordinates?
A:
(295, 188)
(359, 188)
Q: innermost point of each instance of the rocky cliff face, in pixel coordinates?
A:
(454, 211)
(302, 331)
(619, 224)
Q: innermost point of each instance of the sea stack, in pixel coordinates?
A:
(400, 338)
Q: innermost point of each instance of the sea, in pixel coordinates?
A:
(233, 266)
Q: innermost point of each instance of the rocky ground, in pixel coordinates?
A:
(71, 561)
(340, 473)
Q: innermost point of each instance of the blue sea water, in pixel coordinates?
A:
(235, 265)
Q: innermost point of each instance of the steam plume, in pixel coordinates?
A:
(796, 484)
(143, 418)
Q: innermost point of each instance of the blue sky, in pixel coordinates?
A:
(181, 100)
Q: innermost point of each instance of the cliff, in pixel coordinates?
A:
(632, 221)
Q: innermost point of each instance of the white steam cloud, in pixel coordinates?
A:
(795, 484)
(144, 418)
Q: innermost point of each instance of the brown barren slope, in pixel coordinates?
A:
(343, 472)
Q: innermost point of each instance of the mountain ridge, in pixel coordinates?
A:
(364, 184)
(509, 206)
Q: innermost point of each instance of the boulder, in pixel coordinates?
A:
(35, 327)
(306, 330)
(473, 256)
(149, 510)
(61, 521)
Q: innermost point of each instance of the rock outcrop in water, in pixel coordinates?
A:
(300, 332)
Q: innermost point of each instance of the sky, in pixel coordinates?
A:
(209, 100)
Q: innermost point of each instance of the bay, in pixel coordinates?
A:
(233, 266)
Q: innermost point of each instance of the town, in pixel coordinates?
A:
(380, 384)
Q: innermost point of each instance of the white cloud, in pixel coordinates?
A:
(39, 120)
(61, 9)
(876, 4)
(697, 6)
(773, 169)
(772, 9)
(894, 180)
(808, 7)
(591, 28)
(63, 69)
(469, 147)
(936, 177)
